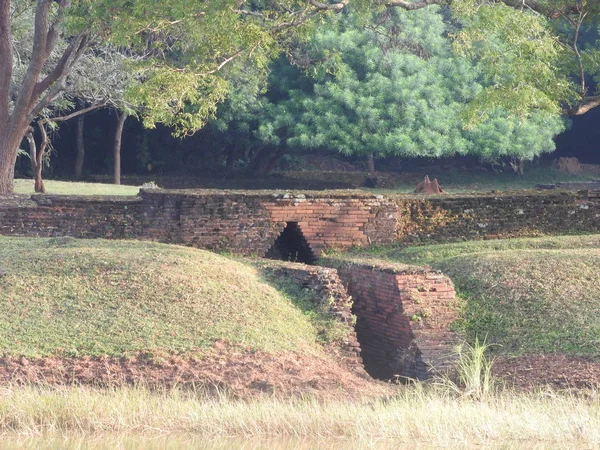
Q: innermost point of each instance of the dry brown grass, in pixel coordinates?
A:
(427, 416)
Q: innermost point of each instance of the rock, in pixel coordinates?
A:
(569, 165)
(429, 187)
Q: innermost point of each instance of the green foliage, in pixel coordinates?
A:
(504, 135)
(389, 84)
(530, 61)
(175, 51)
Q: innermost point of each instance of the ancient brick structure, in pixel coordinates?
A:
(404, 313)
(249, 223)
(404, 318)
(239, 222)
(329, 292)
(470, 217)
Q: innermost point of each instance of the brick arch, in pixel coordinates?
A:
(325, 222)
(291, 245)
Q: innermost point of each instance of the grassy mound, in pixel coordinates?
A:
(69, 297)
(527, 295)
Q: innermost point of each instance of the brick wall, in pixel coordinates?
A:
(454, 218)
(238, 222)
(249, 223)
(329, 292)
(404, 318)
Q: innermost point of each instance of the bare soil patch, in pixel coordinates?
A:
(238, 373)
(557, 370)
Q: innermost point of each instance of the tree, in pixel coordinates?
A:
(99, 80)
(184, 44)
(531, 52)
(393, 87)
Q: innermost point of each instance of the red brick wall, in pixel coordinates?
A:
(238, 222)
(249, 223)
(451, 218)
(404, 318)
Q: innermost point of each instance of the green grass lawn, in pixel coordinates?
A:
(455, 181)
(526, 295)
(22, 186)
(63, 296)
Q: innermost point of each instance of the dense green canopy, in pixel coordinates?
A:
(388, 85)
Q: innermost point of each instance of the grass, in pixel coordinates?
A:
(455, 181)
(430, 254)
(69, 297)
(75, 188)
(428, 416)
(474, 372)
(462, 181)
(525, 295)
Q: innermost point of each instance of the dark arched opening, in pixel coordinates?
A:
(291, 246)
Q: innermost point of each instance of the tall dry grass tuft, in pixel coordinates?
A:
(415, 414)
(473, 372)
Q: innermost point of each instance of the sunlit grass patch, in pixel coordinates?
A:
(70, 297)
(22, 186)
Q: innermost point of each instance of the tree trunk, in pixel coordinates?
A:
(35, 159)
(370, 162)
(231, 156)
(36, 156)
(80, 148)
(39, 186)
(517, 165)
(257, 159)
(7, 172)
(10, 141)
(521, 167)
(117, 148)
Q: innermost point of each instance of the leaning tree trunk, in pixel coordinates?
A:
(80, 148)
(117, 148)
(36, 156)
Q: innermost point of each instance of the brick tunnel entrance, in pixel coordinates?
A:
(404, 319)
(291, 245)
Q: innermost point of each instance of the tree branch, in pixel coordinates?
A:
(79, 46)
(55, 28)
(534, 5)
(74, 114)
(227, 61)
(329, 6)
(584, 106)
(58, 70)
(24, 98)
(410, 5)
(32, 147)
